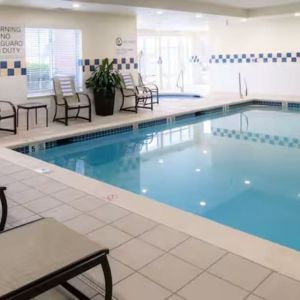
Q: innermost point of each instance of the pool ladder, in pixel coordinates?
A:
(242, 80)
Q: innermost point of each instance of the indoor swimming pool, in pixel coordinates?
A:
(240, 168)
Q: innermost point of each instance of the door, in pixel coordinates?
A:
(165, 59)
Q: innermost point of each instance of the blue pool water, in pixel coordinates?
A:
(241, 169)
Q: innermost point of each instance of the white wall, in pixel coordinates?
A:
(99, 32)
(257, 36)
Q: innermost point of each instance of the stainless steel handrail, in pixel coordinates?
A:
(180, 77)
(240, 86)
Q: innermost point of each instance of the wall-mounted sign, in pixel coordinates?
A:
(12, 41)
(125, 46)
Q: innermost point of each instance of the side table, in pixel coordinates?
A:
(32, 106)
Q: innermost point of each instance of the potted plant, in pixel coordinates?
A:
(103, 82)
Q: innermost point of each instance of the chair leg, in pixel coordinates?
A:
(55, 113)
(90, 113)
(4, 210)
(136, 104)
(15, 120)
(66, 116)
(78, 111)
(108, 279)
(122, 105)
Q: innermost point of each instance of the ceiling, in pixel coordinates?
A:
(177, 14)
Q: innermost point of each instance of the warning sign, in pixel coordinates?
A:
(12, 41)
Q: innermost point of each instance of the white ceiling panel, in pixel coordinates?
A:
(249, 4)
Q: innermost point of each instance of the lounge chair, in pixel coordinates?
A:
(69, 99)
(8, 111)
(142, 96)
(41, 255)
(152, 86)
(3, 209)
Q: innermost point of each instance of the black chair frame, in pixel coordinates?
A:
(143, 97)
(62, 276)
(67, 108)
(4, 208)
(12, 116)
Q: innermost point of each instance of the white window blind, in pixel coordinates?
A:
(51, 52)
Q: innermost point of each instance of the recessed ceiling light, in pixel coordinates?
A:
(161, 161)
(244, 20)
(198, 170)
(159, 12)
(247, 182)
(204, 151)
(199, 16)
(75, 5)
(144, 191)
(297, 14)
(202, 203)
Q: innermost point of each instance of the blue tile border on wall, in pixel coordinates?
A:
(268, 57)
(90, 65)
(9, 68)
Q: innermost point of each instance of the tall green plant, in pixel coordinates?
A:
(105, 78)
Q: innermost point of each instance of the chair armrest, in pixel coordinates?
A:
(86, 95)
(10, 104)
(132, 91)
(66, 101)
(146, 90)
(150, 85)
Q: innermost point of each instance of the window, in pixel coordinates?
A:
(51, 52)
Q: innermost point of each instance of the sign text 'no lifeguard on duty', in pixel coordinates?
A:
(12, 41)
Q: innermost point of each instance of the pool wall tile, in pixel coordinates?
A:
(209, 111)
(267, 103)
(185, 116)
(152, 123)
(129, 128)
(293, 106)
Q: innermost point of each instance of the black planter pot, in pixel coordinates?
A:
(104, 103)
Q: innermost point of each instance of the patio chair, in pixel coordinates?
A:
(3, 209)
(43, 254)
(142, 96)
(69, 99)
(152, 86)
(8, 111)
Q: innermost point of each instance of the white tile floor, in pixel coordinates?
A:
(148, 260)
